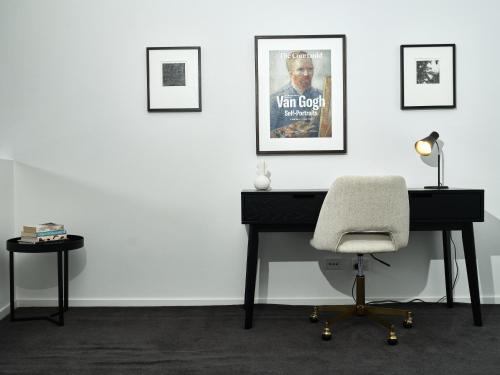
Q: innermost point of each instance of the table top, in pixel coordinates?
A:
(325, 190)
(73, 242)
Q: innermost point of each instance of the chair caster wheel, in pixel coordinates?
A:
(327, 333)
(313, 318)
(392, 341)
(407, 324)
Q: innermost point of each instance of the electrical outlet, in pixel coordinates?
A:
(336, 263)
(367, 263)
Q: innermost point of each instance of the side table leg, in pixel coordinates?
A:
(12, 286)
(66, 306)
(60, 286)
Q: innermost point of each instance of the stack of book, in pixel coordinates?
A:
(42, 233)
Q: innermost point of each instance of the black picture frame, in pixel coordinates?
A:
(428, 76)
(173, 79)
(294, 137)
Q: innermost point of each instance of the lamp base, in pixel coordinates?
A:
(436, 187)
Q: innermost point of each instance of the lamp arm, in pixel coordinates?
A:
(439, 149)
(439, 164)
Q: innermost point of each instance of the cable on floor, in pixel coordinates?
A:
(455, 279)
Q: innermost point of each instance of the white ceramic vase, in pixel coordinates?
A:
(263, 179)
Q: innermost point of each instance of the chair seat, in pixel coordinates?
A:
(361, 243)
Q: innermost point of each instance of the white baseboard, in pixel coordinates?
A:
(111, 302)
(4, 311)
(348, 300)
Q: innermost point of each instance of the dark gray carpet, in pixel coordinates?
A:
(211, 340)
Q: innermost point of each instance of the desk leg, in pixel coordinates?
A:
(66, 306)
(60, 286)
(252, 256)
(12, 286)
(448, 274)
(470, 262)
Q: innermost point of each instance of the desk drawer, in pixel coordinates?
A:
(281, 207)
(447, 205)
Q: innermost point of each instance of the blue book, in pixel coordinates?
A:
(43, 233)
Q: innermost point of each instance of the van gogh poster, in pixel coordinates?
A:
(300, 86)
(300, 94)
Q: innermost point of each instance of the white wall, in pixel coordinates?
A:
(6, 229)
(157, 195)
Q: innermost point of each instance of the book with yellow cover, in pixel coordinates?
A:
(42, 227)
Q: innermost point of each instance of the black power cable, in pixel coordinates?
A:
(418, 299)
(380, 260)
(456, 267)
(352, 290)
(354, 282)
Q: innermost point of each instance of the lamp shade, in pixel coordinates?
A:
(424, 146)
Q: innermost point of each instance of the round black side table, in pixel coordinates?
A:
(61, 247)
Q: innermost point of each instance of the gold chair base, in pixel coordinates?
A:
(362, 309)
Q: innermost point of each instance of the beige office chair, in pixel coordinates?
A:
(360, 215)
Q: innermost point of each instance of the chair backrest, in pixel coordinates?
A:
(357, 204)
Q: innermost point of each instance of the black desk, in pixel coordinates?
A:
(298, 210)
(61, 247)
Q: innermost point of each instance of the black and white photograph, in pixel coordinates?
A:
(428, 76)
(174, 74)
(427, 72)
(174, 79)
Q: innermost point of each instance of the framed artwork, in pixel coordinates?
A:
(174, 79)
(300, 94)
(428, 76)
